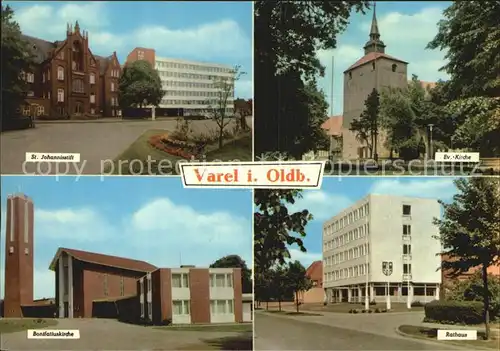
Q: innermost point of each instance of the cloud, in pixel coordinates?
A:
(306, 258)
(160, 232)
(321, 204)
(441, 188)
(223, 38)
(406, 37)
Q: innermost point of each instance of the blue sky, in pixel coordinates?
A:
(219, 32)
(405, 27)
(337, 194)
(147, 218)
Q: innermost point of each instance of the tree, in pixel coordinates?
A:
(243, 108)
(235, 261)
(140, 85)
(274, 227)
(279, 283)
(367, 126)
(298, 280)
(470, 230)
(288, 35)
(218, 107)
(17, 57)
(472, 48)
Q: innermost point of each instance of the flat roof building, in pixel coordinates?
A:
(190, 86)
(377, 229)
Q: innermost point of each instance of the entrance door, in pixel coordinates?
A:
(66, 310)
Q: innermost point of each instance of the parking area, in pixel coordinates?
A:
(107, 334)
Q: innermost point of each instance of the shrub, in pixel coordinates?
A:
(325, 303)
(373, 302)
(370, 311)
(351, 311)
(363, 311)
(385, 310)
(355, 311)
(466, 312)
(378, 310)
(417, 304)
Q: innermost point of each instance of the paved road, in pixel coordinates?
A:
(105, 334)
(95, 141)
(283, 333)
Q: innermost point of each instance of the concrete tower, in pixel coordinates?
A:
(375, 70)
(18, 255)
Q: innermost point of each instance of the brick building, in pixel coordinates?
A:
(316, 294)
(84, 280)
(68, 80)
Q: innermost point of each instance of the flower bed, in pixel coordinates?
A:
(173, 147)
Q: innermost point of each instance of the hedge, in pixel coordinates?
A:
(466, 312)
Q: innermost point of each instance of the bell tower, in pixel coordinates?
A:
(18, 255)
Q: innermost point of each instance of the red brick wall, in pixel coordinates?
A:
(149, 55)
(162, 295)
(19, 263)
(94, 277)
(107, 95)
(199, 286)
(238, 291)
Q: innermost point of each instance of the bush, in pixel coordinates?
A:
(370, 311)
(363, 311)
(466, 312)
(417, 304)
(378, 310)
(373, 303)
(325, 303)
(355, 311)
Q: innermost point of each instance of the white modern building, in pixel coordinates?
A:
(194, 87)
(378, 229)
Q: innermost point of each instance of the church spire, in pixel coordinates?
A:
(374, 44)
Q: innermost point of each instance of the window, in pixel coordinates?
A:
(140, 55)
(30, 77)
(180, 307)
(40, 110)
(92, 98)
(406, 249)
(222, 307)
(60, 95)
(122, 286)
(92, 111)
(407, 268)
(406, 229)
(60, 73)
(31, 93)
(180, 280)
(78, 86)
(221, 280)
(92, 78)
(112, 86)
(394, 67)
(350, 75)
(43, 77)
(105, 285)
(406, 210)
(373, 66)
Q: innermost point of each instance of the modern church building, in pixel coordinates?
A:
(87, 282)
(378, 229)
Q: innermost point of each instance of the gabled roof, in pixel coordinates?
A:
(333, 125)
(104, 260)
(372, 56)
(315, 271)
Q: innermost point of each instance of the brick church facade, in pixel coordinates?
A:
(89, 284)
(69, 81)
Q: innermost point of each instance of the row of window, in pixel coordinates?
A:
(30, 77)
(106, 289)
(199, 93)
(343, 222)
(351, 272)
(191, 67)
(175, 83)
(188, 75)
(211, 102)
(347, 255)
(217, 280)
(346, 238)
(217, 307)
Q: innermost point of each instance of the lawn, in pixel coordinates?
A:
(221, 328)
(431, 334)
(16, 325)
(346, 307)
(140, 158)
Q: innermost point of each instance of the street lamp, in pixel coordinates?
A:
(430, 140)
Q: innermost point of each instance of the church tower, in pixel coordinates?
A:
(18, 255)
(375, 70)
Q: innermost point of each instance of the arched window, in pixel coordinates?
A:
(77, 62)
(60, 73)
(78, 86)
(394, 67)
